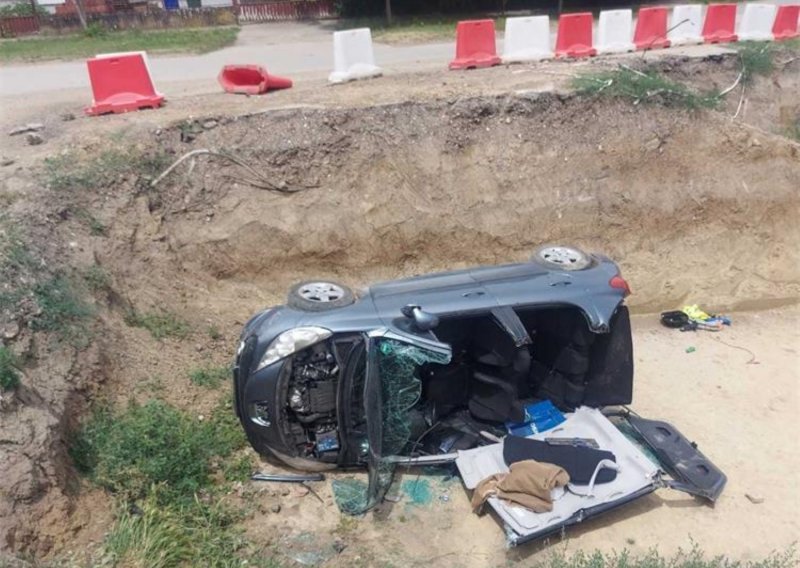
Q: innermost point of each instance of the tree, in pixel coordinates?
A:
(389, 12)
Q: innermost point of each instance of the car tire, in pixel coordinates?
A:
(561, 257)
(319, 296)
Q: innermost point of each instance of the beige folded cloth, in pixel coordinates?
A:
(528, 484)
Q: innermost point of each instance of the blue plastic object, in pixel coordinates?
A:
(539, 417)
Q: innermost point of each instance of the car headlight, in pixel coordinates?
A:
(292, 341)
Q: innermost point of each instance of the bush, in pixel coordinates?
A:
(9, 375)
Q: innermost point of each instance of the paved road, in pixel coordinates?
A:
(292, 48)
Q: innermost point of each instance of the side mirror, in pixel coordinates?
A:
(423, 320)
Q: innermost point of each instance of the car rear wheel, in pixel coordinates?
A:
(319, 296)
(560, 257)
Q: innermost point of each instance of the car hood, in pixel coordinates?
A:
(518, 285)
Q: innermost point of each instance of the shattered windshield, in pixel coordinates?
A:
(391, 394)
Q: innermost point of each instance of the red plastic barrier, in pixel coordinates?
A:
(121, 84)
(475, 45)
(574, 37)
(250, 80)
(651, 28)
(785, 26)
(720, 24)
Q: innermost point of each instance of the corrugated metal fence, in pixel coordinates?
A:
(286, 10)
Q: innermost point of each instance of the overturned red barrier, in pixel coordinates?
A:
(720, 24)
(651, 28)
(785, 26)
(250, 80)
(121, 84)
(574, 37)
(475, 45)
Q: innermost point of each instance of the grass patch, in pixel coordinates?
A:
(99, 40)
(214, 333)
(154, 450)
(69, 172)
(210, 377)
(97, 279)
(692, 558)
(63, 311)
(757, 58)
(9, 373)
(161, 463)
(649, 87)
(160, 324)
(411, 29)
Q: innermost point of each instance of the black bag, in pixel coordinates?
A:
(578, 462)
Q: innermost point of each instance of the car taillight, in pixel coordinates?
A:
(619, 283)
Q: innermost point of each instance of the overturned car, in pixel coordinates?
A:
(441, 367)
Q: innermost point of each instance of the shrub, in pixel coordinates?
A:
(62, 310)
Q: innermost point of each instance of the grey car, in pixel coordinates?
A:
(437, 364)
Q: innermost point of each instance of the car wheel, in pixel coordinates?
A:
(319, 296)
(561, 257)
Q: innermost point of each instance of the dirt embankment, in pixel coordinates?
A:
(693, 206)
(694, 209)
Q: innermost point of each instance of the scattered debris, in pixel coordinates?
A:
(692, 318)
(30, 127)
(34, 139)
(209, 124)
(690, 349)
(288, 477)
(5, 161)
(754, 499)
(276, 508)
(67, 116)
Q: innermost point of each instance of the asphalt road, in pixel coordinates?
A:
(295, 49)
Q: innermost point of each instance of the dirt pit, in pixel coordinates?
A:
(696, 208)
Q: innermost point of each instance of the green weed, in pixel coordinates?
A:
(238, 469)
(693, 558)
(643, 87)
(149, 448)
(96, 278)
(159, 324)
(62, 310)
(214, 333)
(210, 377)
(9, 369)
(757, 58)
(69, 172)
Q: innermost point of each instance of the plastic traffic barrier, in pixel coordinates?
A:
(121, 84)
(527, 39)
(574, 37)
(250, 80)
(720, 24)
(353, 57)
(686, 25)
(614, 31)
(651, 28)
(785, 26)
(756, 24)
(475, 45)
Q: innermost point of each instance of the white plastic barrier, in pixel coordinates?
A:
(352, 56)
(756, 23)
(144, 58)
(686, 25)
(527, 39)
(614, 31)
